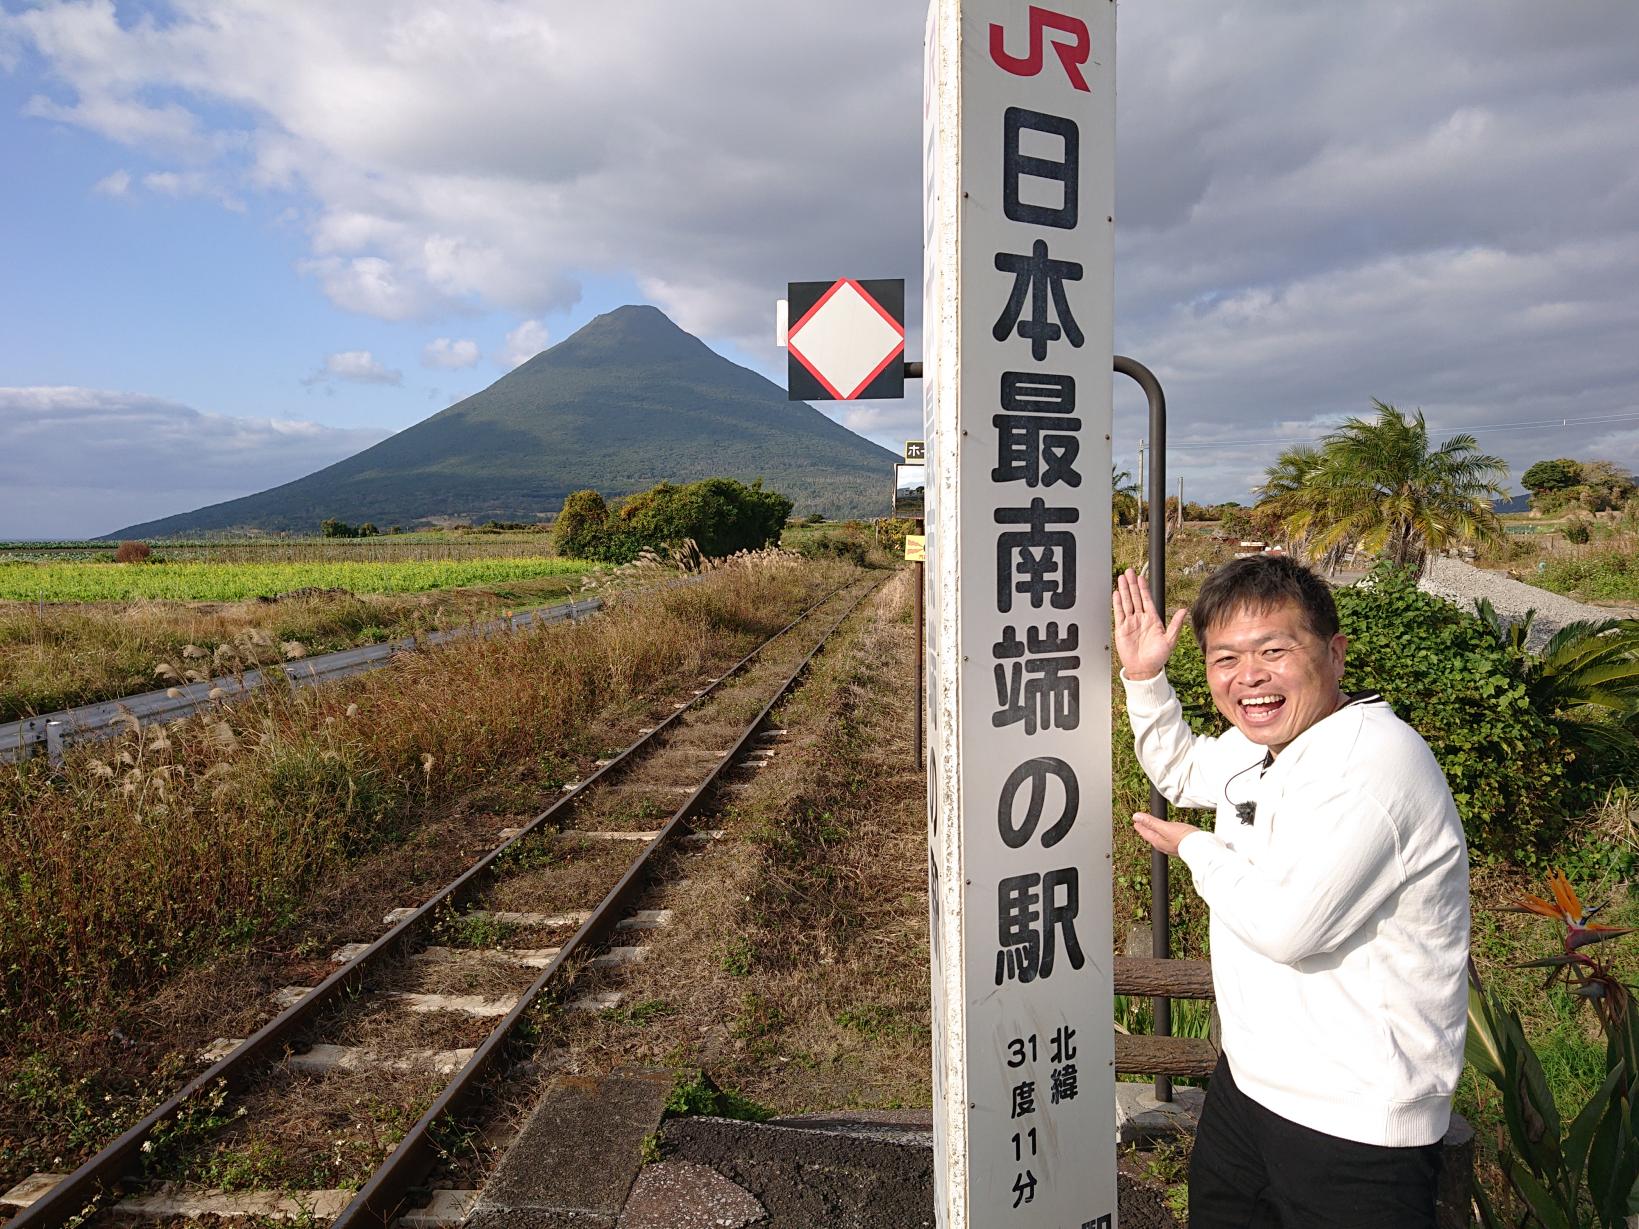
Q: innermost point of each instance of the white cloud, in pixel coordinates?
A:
(76, 462)
(1317, 204)
(524, 343)
(116, 183)
(448, 352)
(357, 366)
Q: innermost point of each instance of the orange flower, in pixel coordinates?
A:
(1567, 909)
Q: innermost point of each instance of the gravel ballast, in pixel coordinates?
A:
(1461, 584)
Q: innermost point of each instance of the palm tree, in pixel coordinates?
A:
(1378, 483)
(1123, 497)
(1294, 499)
(1585, 680)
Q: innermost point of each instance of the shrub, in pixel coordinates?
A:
(720, 515)
(847, 542)
(133, 552)
(1577, 532)
(580, 524)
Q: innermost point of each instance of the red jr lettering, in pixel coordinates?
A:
(1072, 52)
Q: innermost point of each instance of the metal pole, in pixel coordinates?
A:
(1160, 916)
(921, 652)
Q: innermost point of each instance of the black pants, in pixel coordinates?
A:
(1253, 1169)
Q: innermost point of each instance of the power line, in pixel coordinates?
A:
(1544, 424)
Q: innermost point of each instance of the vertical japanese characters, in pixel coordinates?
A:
(1017, 327)
(1036, 432)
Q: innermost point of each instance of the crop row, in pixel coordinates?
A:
(229, 582)
(395, 548)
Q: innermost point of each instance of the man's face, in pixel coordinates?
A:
(1270, 675)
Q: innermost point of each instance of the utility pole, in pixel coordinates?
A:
(1141, 487)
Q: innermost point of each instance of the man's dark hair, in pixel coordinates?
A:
(1260, 583)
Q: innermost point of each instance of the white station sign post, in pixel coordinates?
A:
(1019, 146)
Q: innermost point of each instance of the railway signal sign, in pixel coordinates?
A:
(909, 484)
(846, 341)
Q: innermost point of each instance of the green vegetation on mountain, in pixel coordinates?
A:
(628, 401)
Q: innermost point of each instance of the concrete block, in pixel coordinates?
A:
(620, 957)
(597, 1002)
(30, 1189)
(646, 919)
(465, 1004)
(175, 1200)
(446, 1209)
(1141, 1119)
(645, 837)
(573, 1164)
(683, 1195)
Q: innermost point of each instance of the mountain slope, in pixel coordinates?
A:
(628, 401)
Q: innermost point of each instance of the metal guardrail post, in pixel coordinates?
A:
(1160, 917)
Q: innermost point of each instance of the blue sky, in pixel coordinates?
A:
(245, 239)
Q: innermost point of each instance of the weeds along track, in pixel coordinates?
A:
(398, 1049)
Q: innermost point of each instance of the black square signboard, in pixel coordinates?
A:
(846, 340)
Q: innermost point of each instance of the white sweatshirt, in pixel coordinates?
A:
(1339, 914)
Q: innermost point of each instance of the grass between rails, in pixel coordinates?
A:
(139, 857)
(795, 970)
(59, 656)
(232, 582)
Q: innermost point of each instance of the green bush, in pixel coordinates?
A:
(1445, 675)
(848, 543)
(721, 515)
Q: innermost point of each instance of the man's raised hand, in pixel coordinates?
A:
(1141, 640)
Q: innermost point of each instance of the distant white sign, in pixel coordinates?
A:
(1019, 128)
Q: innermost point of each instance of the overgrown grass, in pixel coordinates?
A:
(139, 856)
(59, 656)
(1595, 574)
(232, 582)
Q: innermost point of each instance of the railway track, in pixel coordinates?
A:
(432, 1010)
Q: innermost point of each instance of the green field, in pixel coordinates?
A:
(230, 582)
(383, 548)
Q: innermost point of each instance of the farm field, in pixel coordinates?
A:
(58, 654)
(232, 582)
(389, 548)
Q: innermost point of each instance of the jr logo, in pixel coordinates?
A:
(1072, 51)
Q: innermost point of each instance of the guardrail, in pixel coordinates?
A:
(52, 732)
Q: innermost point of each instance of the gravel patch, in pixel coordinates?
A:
(1462, 583)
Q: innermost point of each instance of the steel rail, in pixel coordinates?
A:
(93, 1179)
(379, 1200)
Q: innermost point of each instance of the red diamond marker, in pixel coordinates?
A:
(846, 339)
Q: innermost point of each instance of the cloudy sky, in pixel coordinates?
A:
(244, 238)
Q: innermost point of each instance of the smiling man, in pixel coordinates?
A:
(1337, 877)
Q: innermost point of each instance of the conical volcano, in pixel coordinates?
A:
(628, 401)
